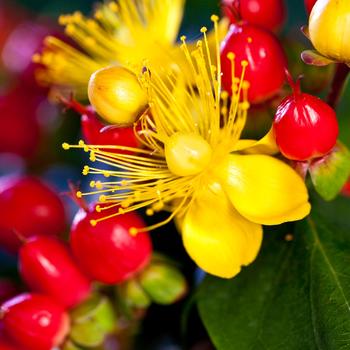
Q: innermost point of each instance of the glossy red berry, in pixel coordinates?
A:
(47, 267)
(265, 57)
(34, 321)
(309, 4)
(7, 344)
(5, 341)
(97, 133)
(269, 14)
(305, 127)
(107, 251)
(30, 208)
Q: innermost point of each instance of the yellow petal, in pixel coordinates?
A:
(266, 145)
(264, 189)
(217, 237)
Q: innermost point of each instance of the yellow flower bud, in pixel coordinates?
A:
(116, 95)
(329, 28)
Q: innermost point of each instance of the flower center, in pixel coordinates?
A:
(187, 154)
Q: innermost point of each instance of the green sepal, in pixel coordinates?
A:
(163, 283)
(69, 345)
(92, 321)
(134, 295)
(314, 58)
(330, 173)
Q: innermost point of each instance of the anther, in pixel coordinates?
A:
(214, 18)
(92, 156)
(102, 198)
(99, 185)
(204, 30)
(65, 146)
(113, 6)
(183, 38)
(244, 63)
(98, 209)
(133, 231)
(149, 212)
(86, 170)
(231, 56)
(92, 184)
(79, 194)
(93, 223)
(70, 29)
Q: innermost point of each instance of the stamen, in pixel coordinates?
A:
(180, 104)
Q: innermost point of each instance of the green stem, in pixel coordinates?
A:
(338, 84)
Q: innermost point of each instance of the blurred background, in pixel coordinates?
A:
(32, 129)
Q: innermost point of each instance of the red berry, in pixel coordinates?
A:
(30, 208)
(35, 322)
(346, 189)
(265, 57)
(269, 14)
(6, 344)
(107, 251)
(47, 267)
(309, 4)
(97, 133)
(5, 341)
(305, 126)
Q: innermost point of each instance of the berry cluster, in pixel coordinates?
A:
(305, 127)
(62, 277)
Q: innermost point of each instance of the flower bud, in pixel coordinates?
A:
(329, 29)
(116, 95)
(163, 283)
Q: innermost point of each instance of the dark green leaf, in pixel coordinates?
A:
(331, 172)
(296, 295)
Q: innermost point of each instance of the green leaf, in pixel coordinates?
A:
(314, 58)
(92, 321)
(295, 296)
(330, 174)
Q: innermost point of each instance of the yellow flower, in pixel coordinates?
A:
(329, 29)
(123, 33)
(193, 164)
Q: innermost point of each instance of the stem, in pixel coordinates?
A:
(338, 84)
(71, 103)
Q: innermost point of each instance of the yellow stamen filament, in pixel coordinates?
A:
(201, 114)
(124, 32)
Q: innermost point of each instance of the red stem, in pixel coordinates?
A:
(295, 85)
(72, 194)
(71, 103)
(338, 84)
